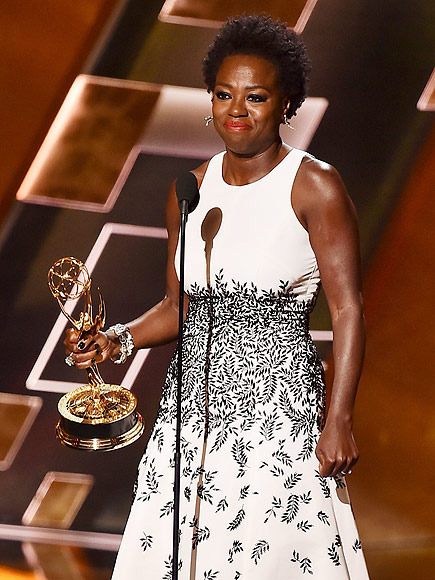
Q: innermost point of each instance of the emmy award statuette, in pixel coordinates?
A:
(97, 416)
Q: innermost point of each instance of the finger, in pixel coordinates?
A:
(81, 345)
(72, 334)
(97, 351)
(71, 337)
(326, 467)
(86, 342)
(82, 359)
(92, 354)
(346, 469)
(340, 467)
(83, 365)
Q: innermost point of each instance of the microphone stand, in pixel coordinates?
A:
(177, 458)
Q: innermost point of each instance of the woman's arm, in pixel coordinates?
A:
(323, 206)
(157, 326)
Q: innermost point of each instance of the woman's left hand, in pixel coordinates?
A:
(336, 449)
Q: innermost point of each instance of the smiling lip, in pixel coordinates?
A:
(236, 126)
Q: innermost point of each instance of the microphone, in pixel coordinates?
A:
(186, 188)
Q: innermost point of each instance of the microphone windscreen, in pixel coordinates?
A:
(186, 188)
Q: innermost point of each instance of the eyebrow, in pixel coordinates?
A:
(249, 88)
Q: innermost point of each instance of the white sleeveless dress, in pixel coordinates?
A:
(253, 505)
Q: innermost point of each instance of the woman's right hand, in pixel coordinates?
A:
(86, 349)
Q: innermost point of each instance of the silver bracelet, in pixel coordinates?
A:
(125, 340)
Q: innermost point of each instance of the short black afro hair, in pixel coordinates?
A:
(260, 35)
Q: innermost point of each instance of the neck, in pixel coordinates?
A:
(241, 169)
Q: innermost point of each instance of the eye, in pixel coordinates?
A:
(256, 98)
(222, 95)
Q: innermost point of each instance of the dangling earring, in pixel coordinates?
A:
(286, 122)
(208, 120)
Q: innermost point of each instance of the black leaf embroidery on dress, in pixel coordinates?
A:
(168, 567)
(304, 526)
(305, 564)
(281, 455)
(291, 510)
(270, 386)
(239, 451)
(269, 425)
(244, 492)
(333, 554)
(260, 548)
(307, 448)
(134, 490)
(236, 548)
(276, 504)
(210, 575)
(339, 481)
(324, 485)
(158, 436)
(292, 480)
(146, 541)
(306, 497)
(276, 471)
(199, 535)
(356, 546)
(235, 523)
(167, 509)
(206, 490)
(324, 518)
(151, 483)
(222, 505)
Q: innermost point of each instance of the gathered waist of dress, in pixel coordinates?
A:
(235, 307)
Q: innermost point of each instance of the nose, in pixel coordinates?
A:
(238, 107)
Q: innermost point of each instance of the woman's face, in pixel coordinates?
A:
(247, 104)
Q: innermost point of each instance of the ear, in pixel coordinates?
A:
(286, 105)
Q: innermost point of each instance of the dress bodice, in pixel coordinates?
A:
(254, 235)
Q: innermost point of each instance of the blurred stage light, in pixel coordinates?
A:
(89, 143)
(54, 562)
(58, 500)
(427, 100)
(214, 12)
(17, 413)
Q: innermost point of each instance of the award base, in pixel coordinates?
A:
(102, 418)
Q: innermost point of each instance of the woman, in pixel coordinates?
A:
(262, 491)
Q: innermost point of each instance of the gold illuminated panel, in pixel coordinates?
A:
(213, 12)
(427, 100)
(89, 144)
(54, 562)
(58, 500)
(17, 413)
(8, 573)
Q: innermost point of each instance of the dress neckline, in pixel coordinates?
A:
(257, 180)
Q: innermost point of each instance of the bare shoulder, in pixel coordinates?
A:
(199, 172)
(320, 179)
(318, 187)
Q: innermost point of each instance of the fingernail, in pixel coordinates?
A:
(81, 345)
